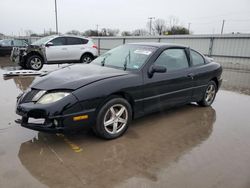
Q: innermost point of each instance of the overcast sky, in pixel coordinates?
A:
(16, 16)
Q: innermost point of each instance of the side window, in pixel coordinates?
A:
(173, 59)
(76, 41)
(60, 41)
(18, 43)
(197, 58)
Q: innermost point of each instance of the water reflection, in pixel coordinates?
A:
(22, 83)
(150, 145)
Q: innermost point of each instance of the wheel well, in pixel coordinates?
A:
(216, 82)
(122, 95)
(87, 53)
(34, 53)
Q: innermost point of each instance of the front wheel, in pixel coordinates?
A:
(209, 94)
(34, 62)
(113, 119)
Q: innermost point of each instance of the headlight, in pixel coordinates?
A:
(38, 95)
(52, 97)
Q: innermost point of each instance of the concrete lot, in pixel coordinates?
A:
(187, 147)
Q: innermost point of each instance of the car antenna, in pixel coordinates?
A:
(126, 61)
(103, 61)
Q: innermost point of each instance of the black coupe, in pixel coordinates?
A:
(124, 83)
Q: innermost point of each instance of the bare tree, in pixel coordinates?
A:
(28, 32)
(172, 21)
(90, 33)
(109, 32)
(159, 26)
(126, 33)
(139, 32)
(74, 32)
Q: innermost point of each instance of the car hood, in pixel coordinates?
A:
(75, 76)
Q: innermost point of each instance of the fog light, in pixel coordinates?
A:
(55, 122)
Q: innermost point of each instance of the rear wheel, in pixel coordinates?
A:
(86, 58)
(209, 94)
(113, 118)
(34, 62)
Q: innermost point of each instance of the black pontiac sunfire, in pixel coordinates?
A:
(124, 83)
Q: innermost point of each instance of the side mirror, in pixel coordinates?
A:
(49, 44)
(156, 68)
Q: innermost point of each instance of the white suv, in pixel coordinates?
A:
(55, 49)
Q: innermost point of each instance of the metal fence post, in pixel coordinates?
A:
(99, 46)
(124, 40)
(211, 44)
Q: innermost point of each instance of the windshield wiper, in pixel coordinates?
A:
(126, 61)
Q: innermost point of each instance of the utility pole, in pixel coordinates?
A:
(189, 27)
(222, 27)
(56, 17)
(150, 24)
(97, 29)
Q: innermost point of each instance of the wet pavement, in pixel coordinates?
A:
(189, 146)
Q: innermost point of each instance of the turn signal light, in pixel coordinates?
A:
(78, 118)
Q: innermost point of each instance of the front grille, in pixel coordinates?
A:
(29, 96)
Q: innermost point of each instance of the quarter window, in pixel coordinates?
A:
(197, 58)
(60, 41)
(173, 59)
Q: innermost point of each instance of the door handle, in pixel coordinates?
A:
(190, 75)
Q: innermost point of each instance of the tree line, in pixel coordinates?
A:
(156, 27)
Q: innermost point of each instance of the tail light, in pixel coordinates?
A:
(94, 46)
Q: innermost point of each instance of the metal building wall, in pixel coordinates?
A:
(230, 50)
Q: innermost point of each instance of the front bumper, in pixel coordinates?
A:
(57, 117)
(65, 123)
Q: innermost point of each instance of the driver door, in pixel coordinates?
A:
(171, 88)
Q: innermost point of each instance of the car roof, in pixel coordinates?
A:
(76, 36)
(158, 44)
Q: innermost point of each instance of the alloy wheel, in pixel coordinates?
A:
(35, 63)
(115, 119)
(210, 93)
(87, 59)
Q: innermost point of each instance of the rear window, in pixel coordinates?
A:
(197, 58)
(76, 41)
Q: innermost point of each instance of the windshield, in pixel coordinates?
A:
(42, 40)
(127, 56)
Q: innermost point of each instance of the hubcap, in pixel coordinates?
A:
(36, 63)
(115, 119)
(210, 93)
(87, 60)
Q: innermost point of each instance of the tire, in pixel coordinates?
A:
(86, 58)
(34, 62)
(116, 114)
(209, 94)
(23, 65)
